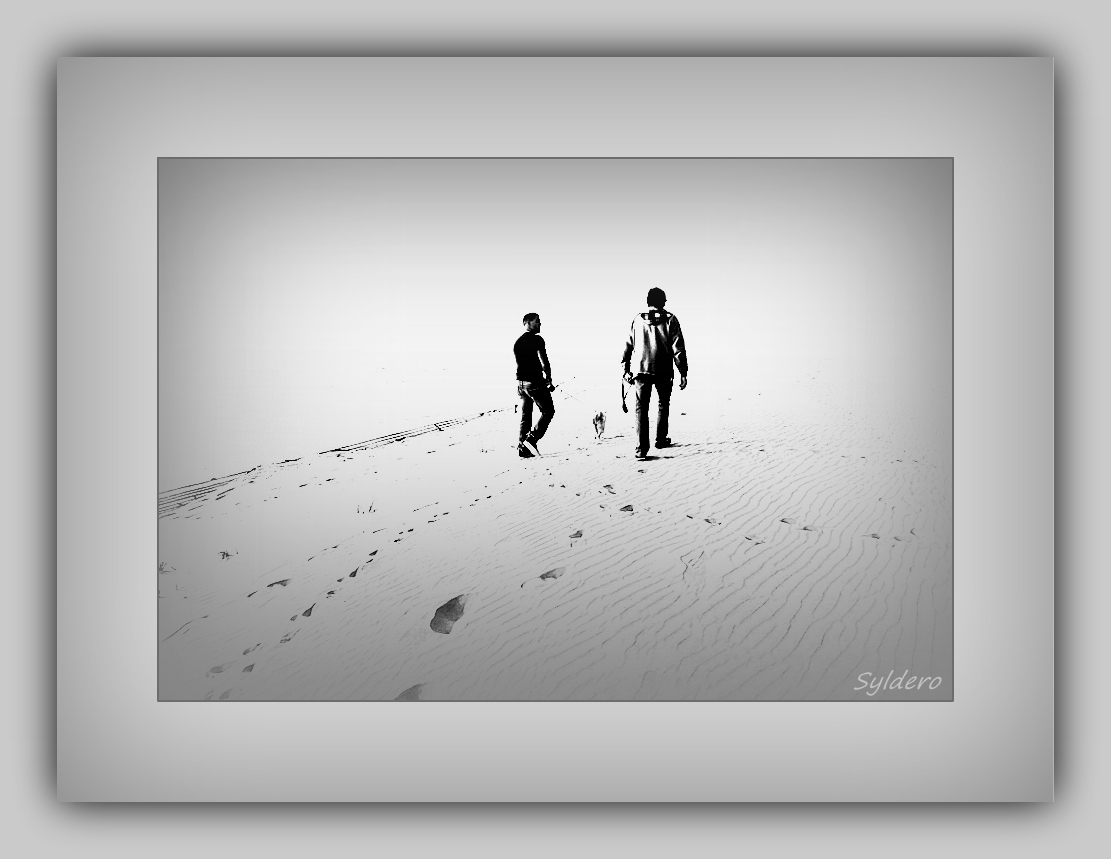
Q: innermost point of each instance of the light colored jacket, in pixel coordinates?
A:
(654, 345)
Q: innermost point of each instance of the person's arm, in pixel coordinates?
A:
(544, 365)
(626, 356)
(679, 350)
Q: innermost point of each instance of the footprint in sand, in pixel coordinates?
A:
(813, 528)
(283, 583)
(226, 695)
(350, 575)
(788, 521)
(448, 614)
(288, 636)
(554, 573)
(219, 669)
(308, 612)
(873, 536)
(576, 535)
(628, 508)
(411, 694)
(249, 668)
(610, 489)
(249, 649)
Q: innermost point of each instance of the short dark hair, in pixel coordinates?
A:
(656, 297)
(528, 317)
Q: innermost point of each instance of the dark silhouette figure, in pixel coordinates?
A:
(534, 386)
(653, 349)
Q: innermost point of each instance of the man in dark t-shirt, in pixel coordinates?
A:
(534, 385)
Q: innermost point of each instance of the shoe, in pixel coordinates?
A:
(641, 456)
(660, 445)
(530, 446)
(523, 452)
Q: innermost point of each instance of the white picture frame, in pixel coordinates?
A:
(116, 117)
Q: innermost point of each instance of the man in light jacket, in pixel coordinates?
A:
(653, 349)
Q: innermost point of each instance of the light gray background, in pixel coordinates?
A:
(309, 303)
(1073, 31)
(992, 116)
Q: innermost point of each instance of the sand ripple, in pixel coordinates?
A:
(776, 557)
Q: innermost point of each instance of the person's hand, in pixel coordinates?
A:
(628, 377)
(551, 386)
(682, 382)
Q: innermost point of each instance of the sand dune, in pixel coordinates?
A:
(785, 546)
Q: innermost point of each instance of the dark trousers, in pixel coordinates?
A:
(644, 385)
(534, 392)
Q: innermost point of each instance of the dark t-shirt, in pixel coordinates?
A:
(526, 350)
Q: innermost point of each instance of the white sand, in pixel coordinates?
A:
(796, 538)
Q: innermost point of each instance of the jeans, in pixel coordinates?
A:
(535, 392)
(644, 385)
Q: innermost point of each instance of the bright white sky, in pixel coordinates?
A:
(307, 304)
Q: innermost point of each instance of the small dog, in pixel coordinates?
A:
(599, 424)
